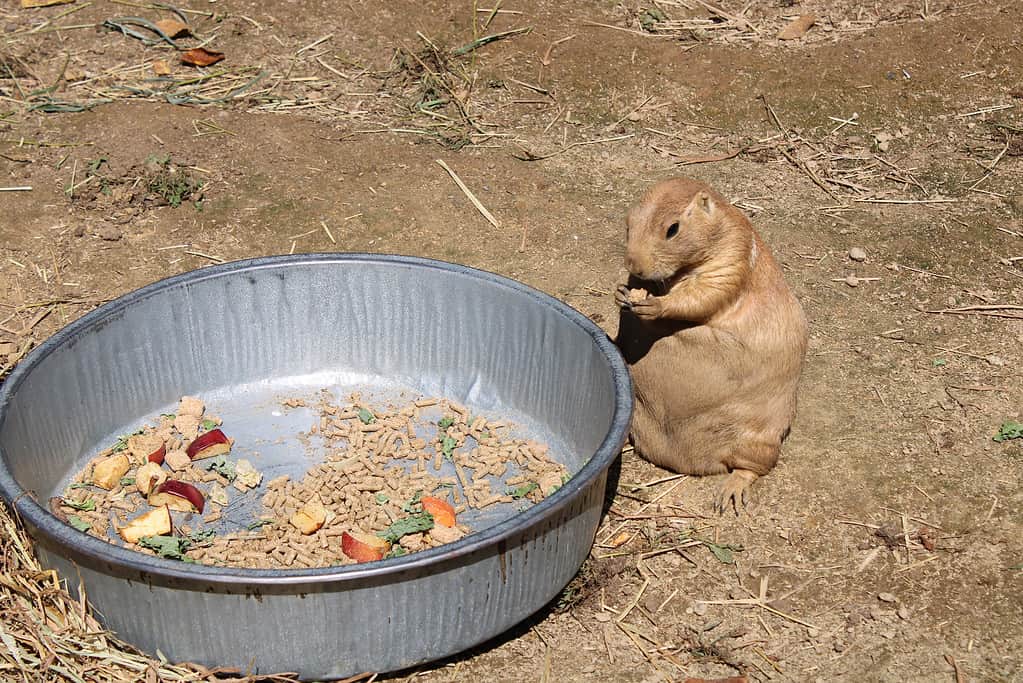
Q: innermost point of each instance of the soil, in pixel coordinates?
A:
(888, 543)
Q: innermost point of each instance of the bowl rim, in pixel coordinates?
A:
(118, 558)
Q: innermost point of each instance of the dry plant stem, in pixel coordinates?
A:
(546, 59)
(530, 156)
(925, 272)
(729, 17)
(642, 509)
(908, 201)
(627, 30)
(468, 193)
(960, 678)
(967, 309)
(760, 601)
(215, 259)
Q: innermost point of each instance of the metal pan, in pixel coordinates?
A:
(247, 332)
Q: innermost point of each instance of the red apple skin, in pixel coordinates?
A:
(208, 444)
(157, 456)
(180, 489)
(363, 547)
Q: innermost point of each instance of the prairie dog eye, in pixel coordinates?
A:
(672, 231)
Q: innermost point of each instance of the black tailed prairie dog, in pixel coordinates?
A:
(713, 336)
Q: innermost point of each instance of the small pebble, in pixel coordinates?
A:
(858, 254)
(699, 608)
(904, 613)
(886, 597)
(852, 281)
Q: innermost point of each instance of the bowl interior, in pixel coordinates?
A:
(245, 336)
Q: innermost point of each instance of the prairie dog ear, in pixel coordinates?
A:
(702, 203)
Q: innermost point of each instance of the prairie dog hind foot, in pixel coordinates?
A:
(735, 491)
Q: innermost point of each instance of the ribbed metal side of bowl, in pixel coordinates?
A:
(445, 329)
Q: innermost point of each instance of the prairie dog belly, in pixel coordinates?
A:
(700, 390)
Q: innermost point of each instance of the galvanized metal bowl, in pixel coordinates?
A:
(253, 330)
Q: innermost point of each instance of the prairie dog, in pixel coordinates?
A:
(713, 336)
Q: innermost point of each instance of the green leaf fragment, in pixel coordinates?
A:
(724, 553)
(413, 524)
(122, 441)
(447, 446)
(79, 523)
(651, 18)
(223, 467)
(446, 422)
(938, 362)
(87, 505)
(171, 547)
(396, 551)
(127, 481)
(366, 416)
(1010, 429)
(202, 536)
(259, 524)
(207, 425)
(382, 498)
(524, 490)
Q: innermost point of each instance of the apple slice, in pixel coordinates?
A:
(107, 473)
(363, 547)
(156, 522)
(310, 516)
(148, 477)
(441, 510)
(178, 495)
(209, 444)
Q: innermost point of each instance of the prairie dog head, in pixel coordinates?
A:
(679, 225)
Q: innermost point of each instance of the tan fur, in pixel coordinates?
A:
(717, 347)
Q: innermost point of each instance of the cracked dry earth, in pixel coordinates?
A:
(888, 543)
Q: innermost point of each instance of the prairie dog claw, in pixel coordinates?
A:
(734, 491)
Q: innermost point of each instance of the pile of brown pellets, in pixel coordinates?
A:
(379, 474)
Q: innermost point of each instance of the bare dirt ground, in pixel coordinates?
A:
(887, 545)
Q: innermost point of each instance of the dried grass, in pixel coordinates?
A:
(46, 635)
